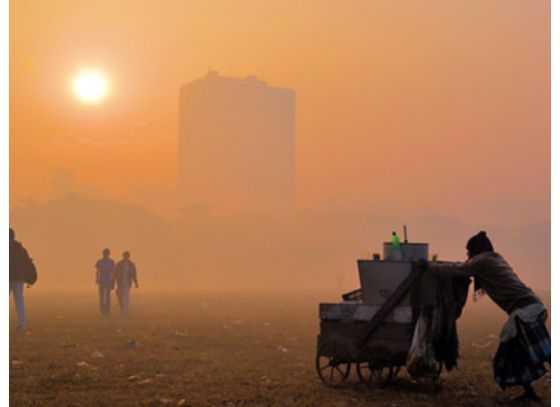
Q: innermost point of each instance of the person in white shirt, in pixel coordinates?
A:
(104, 279)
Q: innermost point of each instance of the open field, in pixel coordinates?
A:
(198, 349)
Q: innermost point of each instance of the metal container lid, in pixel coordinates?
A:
(407, 251)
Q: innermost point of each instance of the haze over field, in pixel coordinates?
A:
(200, 250)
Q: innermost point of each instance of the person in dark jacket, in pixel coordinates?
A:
(524, 339)
(19, 258)
(124, 276)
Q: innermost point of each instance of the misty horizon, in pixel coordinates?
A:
(201, 249)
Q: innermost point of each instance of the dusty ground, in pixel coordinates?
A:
(214, 350)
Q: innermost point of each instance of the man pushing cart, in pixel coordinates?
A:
(405, 315)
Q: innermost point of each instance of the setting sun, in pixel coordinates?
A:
(90, 86)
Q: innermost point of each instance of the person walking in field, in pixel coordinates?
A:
(21, 271)
(124, 276)
(524, 339)
(104, 279)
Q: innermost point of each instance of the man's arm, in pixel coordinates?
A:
(134, 278)
(448, 269)
(115, 274)
(25, 253)
(96, 274)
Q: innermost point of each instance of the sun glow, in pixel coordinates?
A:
(91, 86)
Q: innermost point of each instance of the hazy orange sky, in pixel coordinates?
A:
(436, 106)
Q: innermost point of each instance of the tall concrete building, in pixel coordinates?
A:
(236, 144)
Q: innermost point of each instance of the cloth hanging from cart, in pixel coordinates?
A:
(452, 296)
(421, 359)
(521, 355)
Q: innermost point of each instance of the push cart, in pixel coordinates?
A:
(373, 329)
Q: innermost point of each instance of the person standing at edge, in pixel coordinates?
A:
(19, 259)
(124, 276)
(524, 339)
(104, 279)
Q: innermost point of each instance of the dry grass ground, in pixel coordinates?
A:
(215, 350)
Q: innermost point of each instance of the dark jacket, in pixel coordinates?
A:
(495, 277)
(19, 259)
(119, 276)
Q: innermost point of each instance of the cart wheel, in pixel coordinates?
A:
(365, 373)
(368, 373)
(333, 369)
